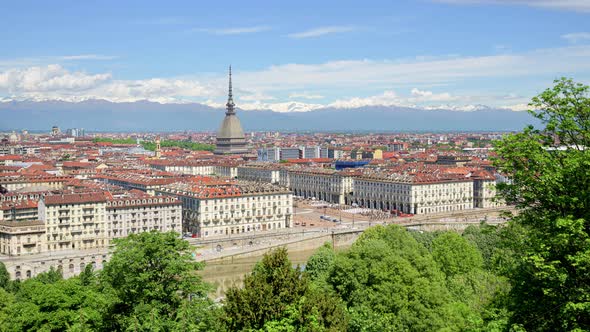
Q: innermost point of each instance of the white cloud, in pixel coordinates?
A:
(286, 107)
(426, 96)
(570, 5)
(576, 37)
(517, 107)
(321, 31)
(418, 72)
(383, 82)
(234, 31)
(49, 78)
(55, 82)
(305, 95)
(416, 98)
(256, 96)
(388, 98)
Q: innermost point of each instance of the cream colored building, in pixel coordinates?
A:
(410, 194)
(76, 229)
(235, 208)
(132, 215)
(262, 172)
(21, 237)
(197, 168)
(30, 183)
(323, 184)
(74, 221)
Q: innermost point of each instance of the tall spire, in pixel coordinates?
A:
(230, 99)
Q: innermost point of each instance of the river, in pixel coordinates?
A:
(228, 273)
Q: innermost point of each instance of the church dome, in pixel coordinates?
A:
(230, 136)
(230, 128)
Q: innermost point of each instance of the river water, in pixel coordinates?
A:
(227, 273)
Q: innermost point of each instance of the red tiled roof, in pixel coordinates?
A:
(11, 157)
(77, 198)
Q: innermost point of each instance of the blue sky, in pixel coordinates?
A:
(298, 55)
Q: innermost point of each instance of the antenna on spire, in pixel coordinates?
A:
(230, 88)
(230, 99)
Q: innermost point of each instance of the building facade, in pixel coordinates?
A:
(224, 210)
(326, 185)
(75, 229)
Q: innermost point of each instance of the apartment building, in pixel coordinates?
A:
(32, 182)
(262, 172)
(223, 209)
(323, 184)
(75, 221)
(137, 213)
(208, 167)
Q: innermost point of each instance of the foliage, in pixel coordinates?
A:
(550, 184)
(487, 238)
(164, 143)
(425, 238)
(148, 285)
(391, 282)
(278, 297)
(4, 276)
(181, 144)
(318, 265)
(152, 274)
(48, 304)
(454, 255)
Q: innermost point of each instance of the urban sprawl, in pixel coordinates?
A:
(65, 196)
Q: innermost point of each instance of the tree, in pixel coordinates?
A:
(454, 255)
(391, 282)
(153, 276)
(4, 276)
(550, 184)
(319, 264)
(486, 238)
(278, 297)
(49, 304)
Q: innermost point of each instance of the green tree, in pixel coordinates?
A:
(487, 238)
(550, 184)
(4, 276)
(454, 255)
(56, 305)
(319, 264)
(390, 282)
(153, 276)
(278, 297)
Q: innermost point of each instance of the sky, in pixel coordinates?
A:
(294, 55)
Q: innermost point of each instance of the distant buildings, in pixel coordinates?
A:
(275, 154)
(76, 132)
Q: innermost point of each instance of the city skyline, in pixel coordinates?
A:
(446, 54)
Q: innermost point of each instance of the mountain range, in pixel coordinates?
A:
(102, 115)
